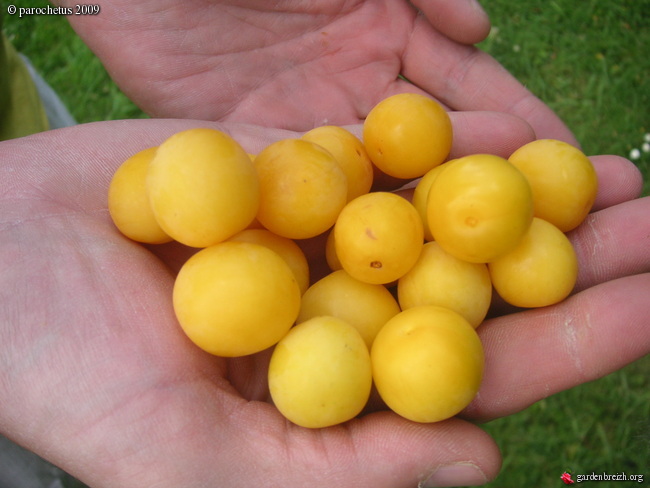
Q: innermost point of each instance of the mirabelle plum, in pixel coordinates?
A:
(407, 135)
(302, 188)
(438, 278)
(427, 363)
(202, 187)
(349, 152)
(540, 271)
(421, 198)
(562, 178)
(285, 247)
(320, 373)
(236, 298)
(128, 203)
(479, 208)
(378, 237)
(365, 306)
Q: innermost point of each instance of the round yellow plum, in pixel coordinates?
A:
(365, 306)
(302, 188)
(438, 278)
(542, 270)
(330, 253)
(320, 373)
(285, 247)
(562, 178)
(427, 363)
(236, 298)
(407, 135)
(128, 203)
(479, 208)
(202, 187)
(421, 198)
(378, 237)
(349, 152)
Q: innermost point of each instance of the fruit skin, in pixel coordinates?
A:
(438, 278)
(427, 363)
(421, 198)
(330, 253)
(320, 373)
(378, 237)
(202, 187)
(128, 203)
(349, 152)
(407, 135)
(365, 306)
(286, 248)
(479, 207)
(542, 270)
(562, 178)
(302, 188)
(236, 298)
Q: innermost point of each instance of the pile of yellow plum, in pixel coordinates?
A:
(410, 280)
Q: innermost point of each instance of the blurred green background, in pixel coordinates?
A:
(589, 60)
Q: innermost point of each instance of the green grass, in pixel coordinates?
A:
(602, 426)
(587, 59)
(67, 64)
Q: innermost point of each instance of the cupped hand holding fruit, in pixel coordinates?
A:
(89, 338)
(302, 64)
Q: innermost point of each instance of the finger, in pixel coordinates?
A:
(465, 78)
(590, 335)
(379, 450)
(619, 180)
(391, 452)
(488, 133)
(463, 21)
(613, 243)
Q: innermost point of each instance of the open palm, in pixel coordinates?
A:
(297, 65)
(98, 378)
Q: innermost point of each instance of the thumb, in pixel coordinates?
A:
(462, 21)
(394, 452)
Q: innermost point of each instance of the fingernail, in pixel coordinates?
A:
(476, 5)
(457, 474)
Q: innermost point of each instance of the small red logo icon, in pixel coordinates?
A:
(566, 477)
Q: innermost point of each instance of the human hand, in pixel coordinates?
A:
(297, 65)
(99, 379)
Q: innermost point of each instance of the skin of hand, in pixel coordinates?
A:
(98, 378)
(301, 64)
